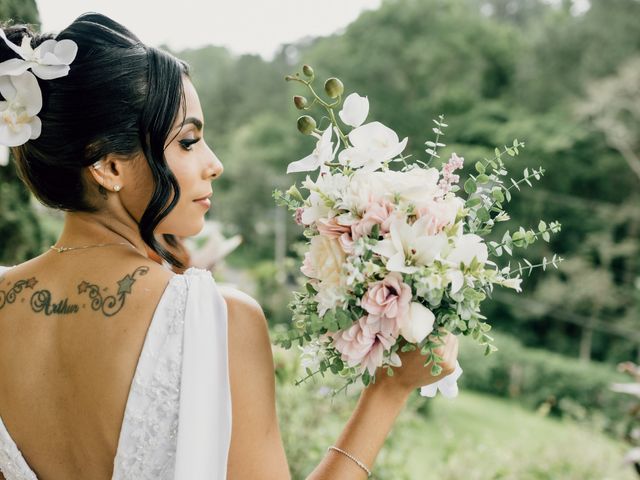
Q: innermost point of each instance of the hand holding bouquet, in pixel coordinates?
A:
(396, 258)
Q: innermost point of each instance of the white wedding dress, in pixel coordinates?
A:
(177, 420)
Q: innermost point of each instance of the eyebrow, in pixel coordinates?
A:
(196, 121)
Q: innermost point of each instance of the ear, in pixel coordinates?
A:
(108, 172)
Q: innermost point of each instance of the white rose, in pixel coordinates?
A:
(364, 187)
(417, 324)
(327, 257)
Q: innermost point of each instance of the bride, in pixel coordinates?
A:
(112, 365)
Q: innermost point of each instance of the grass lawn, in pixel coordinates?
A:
(481, 437)
(473, 437)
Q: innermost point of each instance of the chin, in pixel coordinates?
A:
(183, 229)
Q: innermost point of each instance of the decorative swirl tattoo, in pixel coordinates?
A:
(111, 305)
(10, 296)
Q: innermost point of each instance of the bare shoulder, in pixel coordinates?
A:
(248, 327)
(240, 301)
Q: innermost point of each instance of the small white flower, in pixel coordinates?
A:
(354, 110)
(448, 385)
(322, 154)
(23, 101)
(512, 283)
(417, 324)
(47, 61)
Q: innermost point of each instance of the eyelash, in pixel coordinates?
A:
(187, 143)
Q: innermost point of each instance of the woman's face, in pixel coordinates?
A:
(194, 165)
(188, 157)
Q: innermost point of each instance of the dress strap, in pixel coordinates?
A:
(204, 432)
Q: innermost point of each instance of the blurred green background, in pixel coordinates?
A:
(564, 77)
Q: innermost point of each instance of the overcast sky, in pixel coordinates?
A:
(243, 26)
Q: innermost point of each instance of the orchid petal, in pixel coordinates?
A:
(354, 110)
(49, 72)
(66, 51)
(36, 128)
(55, 53)
(4, 155)
(28, 92)
(13, 137)
(19, 50)
(13, 66)
(396, 150)
(7, 89)
(429, 390)
(322, 153)
(308, 163)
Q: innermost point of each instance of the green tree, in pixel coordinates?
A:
(21, 235)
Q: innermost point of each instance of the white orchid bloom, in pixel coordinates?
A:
(354, 110)
(322, 154)
(417, 324)
(47, 61)
(373, 144)
(409, 243)
(23, 100)
(448, 385)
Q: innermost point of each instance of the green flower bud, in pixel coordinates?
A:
(294, 193)
(300, 102)
(333, 87)
(307, 70)
(306, 124)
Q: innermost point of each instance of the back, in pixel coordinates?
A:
(70, 341)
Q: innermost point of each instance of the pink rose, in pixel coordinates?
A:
(307, 266)
(361, 345)
(388, 298)
(329, 227)
(376, 213)
(439, 214)
(346, 242)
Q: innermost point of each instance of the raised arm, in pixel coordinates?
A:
(256, 445)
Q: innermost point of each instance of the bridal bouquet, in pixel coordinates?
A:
(396, 258)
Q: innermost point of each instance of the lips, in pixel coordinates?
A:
(206, 197)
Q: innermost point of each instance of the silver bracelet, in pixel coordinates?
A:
(360, 464)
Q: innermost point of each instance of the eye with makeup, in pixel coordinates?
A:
(187, 143)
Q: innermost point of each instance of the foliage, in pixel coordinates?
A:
(21, 233)
(474, 437)
(547, 382)
(497, 69)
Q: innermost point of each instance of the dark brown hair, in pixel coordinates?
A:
(120, 97)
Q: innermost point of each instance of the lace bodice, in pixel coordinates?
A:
(177, 420)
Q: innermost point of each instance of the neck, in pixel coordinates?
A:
(82, 228)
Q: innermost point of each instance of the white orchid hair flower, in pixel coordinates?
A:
(19, 122)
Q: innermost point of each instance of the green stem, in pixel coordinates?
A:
(529, 267)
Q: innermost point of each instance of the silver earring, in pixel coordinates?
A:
(116, 188)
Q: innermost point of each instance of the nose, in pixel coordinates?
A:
(215, 167)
